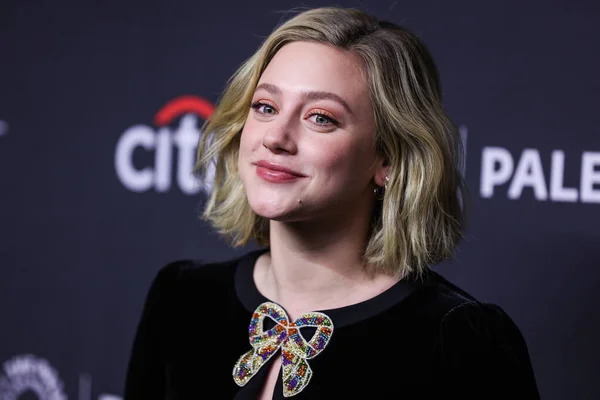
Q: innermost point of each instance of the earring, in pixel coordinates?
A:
(379, 191)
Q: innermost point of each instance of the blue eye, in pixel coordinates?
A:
(263, 108)
(322, 119)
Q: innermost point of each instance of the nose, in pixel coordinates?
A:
(280, 136)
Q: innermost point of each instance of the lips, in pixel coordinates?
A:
(275, 173)
(278, 168)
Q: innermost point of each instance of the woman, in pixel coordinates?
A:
(332, 152)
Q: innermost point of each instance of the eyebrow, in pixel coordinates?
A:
(310, 96)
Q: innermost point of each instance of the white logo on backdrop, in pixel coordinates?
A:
(28, 373)
(166, 144)
(499, 167)
(3, 128)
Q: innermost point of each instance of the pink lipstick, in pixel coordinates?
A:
(276, 173)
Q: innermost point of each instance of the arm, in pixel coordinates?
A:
(145, 378)
(483, 355)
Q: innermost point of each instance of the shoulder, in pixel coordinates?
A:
(456, 312)
(197, 272)
(462, 324)
(459, 312)
(475, 315)
(479, 326)
(477, 341)
(434, 298)
(193, 279)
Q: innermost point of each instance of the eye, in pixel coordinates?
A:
(263, 108)
(322, 118)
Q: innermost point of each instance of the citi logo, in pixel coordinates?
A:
(166, 144)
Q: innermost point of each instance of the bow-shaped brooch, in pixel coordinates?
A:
(295, 350)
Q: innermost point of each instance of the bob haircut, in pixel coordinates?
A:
(420, 219)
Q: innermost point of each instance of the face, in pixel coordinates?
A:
(307, 147)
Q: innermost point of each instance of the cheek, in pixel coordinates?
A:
(248, 138)
(345, 156)
(334, 160)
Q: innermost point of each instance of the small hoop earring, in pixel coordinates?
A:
(379, 192)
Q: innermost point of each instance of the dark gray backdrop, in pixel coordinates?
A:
(95, 198)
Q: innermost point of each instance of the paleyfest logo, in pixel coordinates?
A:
(524, 174)
(515, 175)
(167, 144)
(27, 374)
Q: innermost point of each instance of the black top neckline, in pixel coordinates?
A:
(251, 298)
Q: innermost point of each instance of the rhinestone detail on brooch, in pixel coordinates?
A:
(285, 335)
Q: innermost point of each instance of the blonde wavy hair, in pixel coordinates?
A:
(420, 219)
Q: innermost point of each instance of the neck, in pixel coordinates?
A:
(318, 266)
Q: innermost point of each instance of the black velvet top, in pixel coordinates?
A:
(420, 339)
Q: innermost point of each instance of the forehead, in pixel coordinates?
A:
(302, 66)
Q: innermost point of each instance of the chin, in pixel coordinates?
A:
(268, 210)
(273, 209)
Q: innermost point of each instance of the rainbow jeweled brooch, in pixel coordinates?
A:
(295, 350)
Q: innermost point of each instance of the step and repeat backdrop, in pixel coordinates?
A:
(100, 109)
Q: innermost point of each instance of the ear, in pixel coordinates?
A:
(382, 169)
